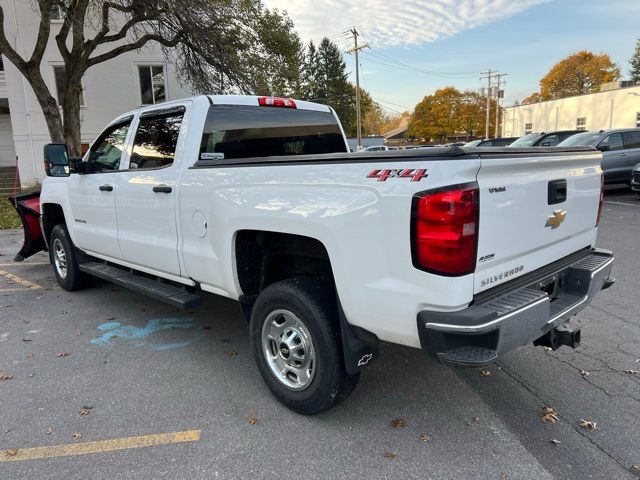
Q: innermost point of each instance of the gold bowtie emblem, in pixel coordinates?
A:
(556, 219)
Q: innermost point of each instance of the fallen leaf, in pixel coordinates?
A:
(588, 424)
(549, 415)
(555, 441)
(547, 349)
(425, 438)
(252, 421)
(504, 476)
(389, 455)
(485, 373)
(31, 375)
(62, 354)
(585, 373)
(29, 355)
(5, 376)
(399, 423)
(633, 372)
(11, 453)
(635, 467)
(230, 354)
(476, 419)
(106, 360)
(65, 312)
(26, 339)
(77, 436)
(84, 411)
(49, 431)
(637, 360)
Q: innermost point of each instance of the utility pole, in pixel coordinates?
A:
(355, 51)
(499, 83)
(489, 76)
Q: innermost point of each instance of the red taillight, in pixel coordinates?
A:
(601, 199)
(276, 102)
(445, 230)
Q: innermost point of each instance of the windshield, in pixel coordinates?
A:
(526, 141)
(581, 140)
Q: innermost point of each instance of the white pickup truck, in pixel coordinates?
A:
(465, 253)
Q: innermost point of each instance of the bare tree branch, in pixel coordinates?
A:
(43, 32)
(138, 44)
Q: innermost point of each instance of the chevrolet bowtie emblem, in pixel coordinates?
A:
(556, 219)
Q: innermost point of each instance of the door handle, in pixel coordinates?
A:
(106, 188)
(162, 189)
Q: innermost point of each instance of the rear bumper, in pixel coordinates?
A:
(516, 314)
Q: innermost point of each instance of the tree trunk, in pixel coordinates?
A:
(71, 112)
(48, 104)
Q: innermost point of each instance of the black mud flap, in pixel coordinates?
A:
(28, 207)
(360, 347)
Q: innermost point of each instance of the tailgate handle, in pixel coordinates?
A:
(557, 192)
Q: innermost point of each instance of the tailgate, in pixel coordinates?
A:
(535, 208)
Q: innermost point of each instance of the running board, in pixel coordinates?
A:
(178, 297)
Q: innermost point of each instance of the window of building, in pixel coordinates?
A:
(638, 120)
(528, 128)
(152, 84)
(581, 123)
(156, 140)
(60, 77)
(106, 152)
(56, 12)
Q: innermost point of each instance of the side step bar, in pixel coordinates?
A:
(164, 292)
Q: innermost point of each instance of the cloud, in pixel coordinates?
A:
(395, 23)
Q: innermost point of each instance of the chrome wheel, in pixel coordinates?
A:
(288, 349)
(59, 258)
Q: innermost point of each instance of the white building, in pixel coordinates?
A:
(616, 108)
(109, 89)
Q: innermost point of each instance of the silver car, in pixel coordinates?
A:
(620, 151)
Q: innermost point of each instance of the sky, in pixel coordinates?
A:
(418, 46)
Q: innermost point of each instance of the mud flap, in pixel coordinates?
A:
(360, 347)
(28, 207)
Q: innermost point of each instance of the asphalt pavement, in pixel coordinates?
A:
(104, 383)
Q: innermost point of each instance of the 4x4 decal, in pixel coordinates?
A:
(414, 174)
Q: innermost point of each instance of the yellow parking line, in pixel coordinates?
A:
(101, 446)
(19, 281)
(23, 264)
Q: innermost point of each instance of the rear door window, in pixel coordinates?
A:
(239, 131)
(155, 142)
(631, 139)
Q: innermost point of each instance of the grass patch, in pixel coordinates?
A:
(8, 216)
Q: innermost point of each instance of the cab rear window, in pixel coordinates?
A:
(238, 131)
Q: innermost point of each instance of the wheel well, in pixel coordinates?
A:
(52, 215)
(263, 258)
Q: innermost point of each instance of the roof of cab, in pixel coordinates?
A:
(249, 100)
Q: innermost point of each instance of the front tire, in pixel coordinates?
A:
(295, 338)
(64, 259)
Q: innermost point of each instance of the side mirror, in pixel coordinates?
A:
(604, 148)
(56, 160)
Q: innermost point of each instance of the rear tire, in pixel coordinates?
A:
(295, 338)
(64, 259)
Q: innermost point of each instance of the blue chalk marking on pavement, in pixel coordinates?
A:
(129, 332)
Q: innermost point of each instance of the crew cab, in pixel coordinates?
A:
(465, 253)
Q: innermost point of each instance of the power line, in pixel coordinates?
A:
(401, 66)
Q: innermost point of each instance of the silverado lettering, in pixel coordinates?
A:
(501, 276)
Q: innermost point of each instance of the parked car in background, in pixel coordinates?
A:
(544, 139)
(491, 142)
(635, 179)
(377, 148)
(620, 151)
